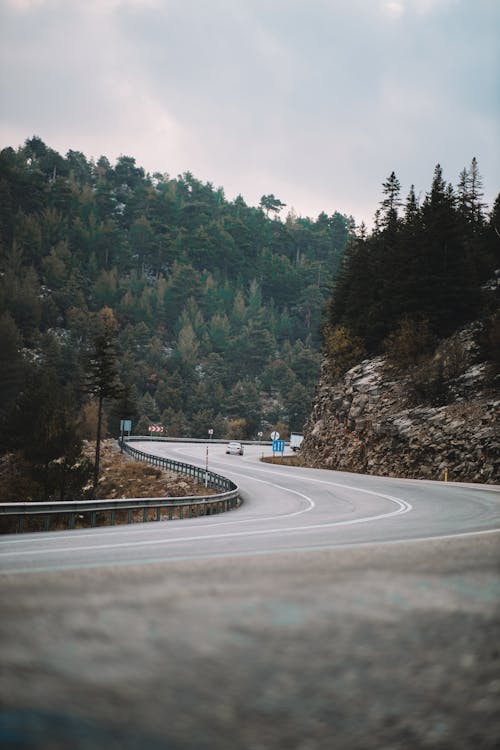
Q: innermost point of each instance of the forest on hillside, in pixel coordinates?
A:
(153, 297)
(125, 295)
(424, 271)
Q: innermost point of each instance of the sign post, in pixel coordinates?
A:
(125, 426)
(278, 445)
(210, 434)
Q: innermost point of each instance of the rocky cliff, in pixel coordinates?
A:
(372, 421)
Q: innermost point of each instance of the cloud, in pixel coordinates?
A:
(24, 5)
(396, 8)
(393, 9)
(314, 102)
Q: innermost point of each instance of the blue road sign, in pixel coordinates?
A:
(278, 446)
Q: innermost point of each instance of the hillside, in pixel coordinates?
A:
(217, 304)
(410, 378)
(371, 420)
(125, 295)
(154, 297)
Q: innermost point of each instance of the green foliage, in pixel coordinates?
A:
(213, 307)
(44, 428)
(102, 372)
(427, 265)
(489, 339)
(203, 294)
(270, 203)
(13, 371)
(102, 368)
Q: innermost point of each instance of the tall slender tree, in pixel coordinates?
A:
(391, 202)
(102, 373)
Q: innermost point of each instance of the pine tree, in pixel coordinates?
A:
(13, 371)
(390, 204)
(45, 429)
(102, 373)
(470, 195)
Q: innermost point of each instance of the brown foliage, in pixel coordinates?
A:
(489, 339)
(343, 349)
(409, 344)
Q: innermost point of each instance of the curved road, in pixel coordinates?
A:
(330, 610)
(284, 509)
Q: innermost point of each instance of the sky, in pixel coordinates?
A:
(314, 101)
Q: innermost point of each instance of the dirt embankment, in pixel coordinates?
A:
(121, 476)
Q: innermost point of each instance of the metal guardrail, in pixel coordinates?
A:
(207, 441)
(153, 508)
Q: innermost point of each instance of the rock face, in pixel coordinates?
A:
(369, 422)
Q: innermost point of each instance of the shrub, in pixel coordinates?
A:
(343, 349)
(489, 339)
(408, 344)
(429, 383)
(455, 358)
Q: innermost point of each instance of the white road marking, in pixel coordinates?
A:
(115, 530)
(403, 507)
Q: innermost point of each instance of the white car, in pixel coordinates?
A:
(235, 448)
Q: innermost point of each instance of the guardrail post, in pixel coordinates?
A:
(129, 515)
(47, 521)
(158, 513)
(112, 519)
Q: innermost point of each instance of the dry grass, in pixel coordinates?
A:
(285, 460)
(121, 476)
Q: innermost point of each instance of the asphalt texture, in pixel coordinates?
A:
(380, 633)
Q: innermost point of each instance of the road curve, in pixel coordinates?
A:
(285, 509)
(329, 611)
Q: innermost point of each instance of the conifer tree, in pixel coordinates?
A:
(102, 373)
(390, 203)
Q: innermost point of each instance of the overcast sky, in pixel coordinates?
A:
(316, 101)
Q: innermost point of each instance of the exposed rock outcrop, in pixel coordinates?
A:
(369, 422)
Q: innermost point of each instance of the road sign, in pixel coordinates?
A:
(125, 425)
(210, 432)
(155, 428)
(278, 446)
(259, 434)
(275, 435)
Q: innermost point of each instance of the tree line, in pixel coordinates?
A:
(420, 274)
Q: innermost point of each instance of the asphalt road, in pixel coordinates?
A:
(330, 611)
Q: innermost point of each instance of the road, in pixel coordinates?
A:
(331, 610)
